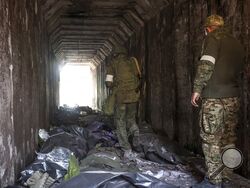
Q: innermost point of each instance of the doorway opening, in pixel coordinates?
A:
(77, 86)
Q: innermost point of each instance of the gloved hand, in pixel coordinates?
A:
(40, 180)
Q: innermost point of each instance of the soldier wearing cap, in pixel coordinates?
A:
(122, 77)
(216, 82)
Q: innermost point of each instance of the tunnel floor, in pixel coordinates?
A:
(98, 161)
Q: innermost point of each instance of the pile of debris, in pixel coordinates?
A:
(80, 115)
(84, 152)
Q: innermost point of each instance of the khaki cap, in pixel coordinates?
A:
(214, 20)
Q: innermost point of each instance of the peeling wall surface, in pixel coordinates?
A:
(23, 84)
(169, 47)
(6, 101)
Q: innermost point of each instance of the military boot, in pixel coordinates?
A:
(136, 143)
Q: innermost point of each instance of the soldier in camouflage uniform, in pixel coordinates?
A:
(122, 77)
(216, 82)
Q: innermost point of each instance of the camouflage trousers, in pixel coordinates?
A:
(125, 120)
(218, 120)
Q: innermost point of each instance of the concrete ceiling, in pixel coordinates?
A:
(86, 31)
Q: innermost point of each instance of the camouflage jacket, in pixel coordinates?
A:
(126, 80)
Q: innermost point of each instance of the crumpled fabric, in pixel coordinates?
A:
(91, 135)
(99, 132)
(160, 151)
(112, 159)
(67, 115)
(55, 163)
(74, 139)
(162, 161)
(80, 115)
(72, 129)
(73, 169)
(77, 144)
(107, 179)
(106, 158)
(174, 174)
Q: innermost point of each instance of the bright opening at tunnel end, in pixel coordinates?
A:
(76, 86)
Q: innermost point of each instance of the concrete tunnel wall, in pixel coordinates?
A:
(167, 46)
(26, 84)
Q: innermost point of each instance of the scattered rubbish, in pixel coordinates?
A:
(67, 116)
(43, 135)
(73, 169)
(39, 180)
(107, 179)
(76, 144)
(84, 150)
(55, 163)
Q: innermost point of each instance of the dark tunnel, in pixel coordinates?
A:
(38, 38)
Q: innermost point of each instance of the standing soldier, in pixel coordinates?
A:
(216, 81)
(122, 77)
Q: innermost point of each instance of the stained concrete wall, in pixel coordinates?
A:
(168, 48)
(53, 84)
(24, 84)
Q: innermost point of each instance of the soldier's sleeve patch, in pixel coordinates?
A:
(109, 78)
(208, 58)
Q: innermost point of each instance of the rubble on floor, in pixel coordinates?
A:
(90, 137)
